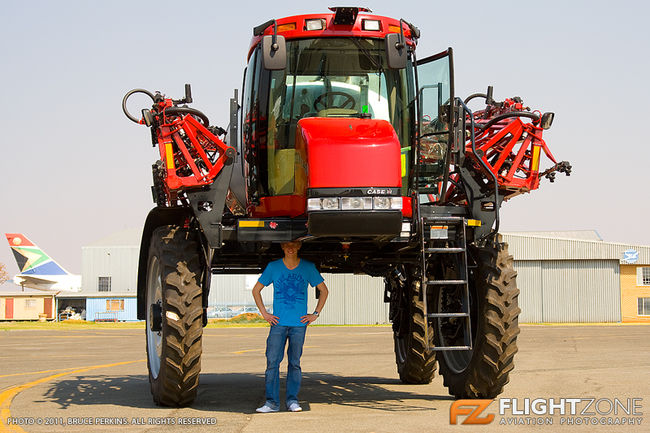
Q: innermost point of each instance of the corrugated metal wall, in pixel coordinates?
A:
(364, 303)
(119, 263)
(529, 281)
(540, 248)
(352, 300)
(561, 280)
(98, 305)
(569, 290)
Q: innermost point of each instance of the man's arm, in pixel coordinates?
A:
(322, 297)
(257, 296)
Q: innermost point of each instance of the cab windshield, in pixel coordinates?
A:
(334, 77)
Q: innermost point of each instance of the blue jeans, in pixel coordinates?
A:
(275, 343)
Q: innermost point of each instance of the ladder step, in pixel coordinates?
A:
(446, 282)
(444, 250)
(447, 315)
(441, 348)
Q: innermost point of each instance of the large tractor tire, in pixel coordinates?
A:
(174, 325)
(415, 364)
(483, 371)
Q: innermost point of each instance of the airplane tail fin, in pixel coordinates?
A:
(31, 259)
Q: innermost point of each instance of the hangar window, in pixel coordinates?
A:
(643, 276)
(643, 306)
(104, 284)
(115, 305)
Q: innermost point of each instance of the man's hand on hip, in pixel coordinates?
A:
(308, 318)
(273, 320)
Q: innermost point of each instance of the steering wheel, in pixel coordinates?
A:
(329, 103)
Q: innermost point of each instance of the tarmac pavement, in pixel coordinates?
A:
(96, 381)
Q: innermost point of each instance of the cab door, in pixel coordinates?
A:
(434, 77)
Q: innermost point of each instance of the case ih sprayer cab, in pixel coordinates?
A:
(344, 139)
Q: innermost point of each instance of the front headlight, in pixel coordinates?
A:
(313, 204)
(330, 203)
(356, 203)
(381, 203)
(326, 203)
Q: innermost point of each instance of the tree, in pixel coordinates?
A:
(4, 276)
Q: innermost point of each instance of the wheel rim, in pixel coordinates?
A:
(400, 349)
(154, 296)
(456, 360)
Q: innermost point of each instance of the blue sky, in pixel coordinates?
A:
(74, 169)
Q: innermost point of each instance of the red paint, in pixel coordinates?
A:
(184, 144)
(332, 30)
(281, 205)
(9, 308)
(350, 152)
(18, 240)
(47, 307)
(508, 148)
(200, 140)
(407, 207)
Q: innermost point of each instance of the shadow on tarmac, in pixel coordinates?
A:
(243, 392)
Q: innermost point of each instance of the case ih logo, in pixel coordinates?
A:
(472, 410)
(380, 191)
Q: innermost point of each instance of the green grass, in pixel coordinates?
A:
(69, 324)
(78, 324)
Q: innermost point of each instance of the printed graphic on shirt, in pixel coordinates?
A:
(291, 290)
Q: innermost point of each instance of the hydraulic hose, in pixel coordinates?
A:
(535, 117)
(188, 110)
(129, 93)
(475, 95)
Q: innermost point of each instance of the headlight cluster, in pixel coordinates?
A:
(355, 203)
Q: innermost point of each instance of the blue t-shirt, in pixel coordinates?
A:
(290, 289)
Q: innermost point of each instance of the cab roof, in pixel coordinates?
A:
(295, 27)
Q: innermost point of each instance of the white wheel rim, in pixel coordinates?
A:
(154, 296)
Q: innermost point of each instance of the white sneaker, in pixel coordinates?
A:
(266, 409)
(294, 407)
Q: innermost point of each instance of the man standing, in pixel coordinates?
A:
(290, 277)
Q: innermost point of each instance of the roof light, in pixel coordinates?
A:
(315, 24)
(286, 27)
(393, 29)
(346, 16)
(371, 25)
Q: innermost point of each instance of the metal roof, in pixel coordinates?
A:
(585, 235)
(526, 247)
(98, 295)
(37, 294)
(124, 238)
(535, 245)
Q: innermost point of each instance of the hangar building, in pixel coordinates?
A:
(563, 277)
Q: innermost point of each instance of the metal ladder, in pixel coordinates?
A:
(434, 226)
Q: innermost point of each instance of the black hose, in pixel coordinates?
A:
(475, 95)
(128, 94)
(188, 110)
(500, 117)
